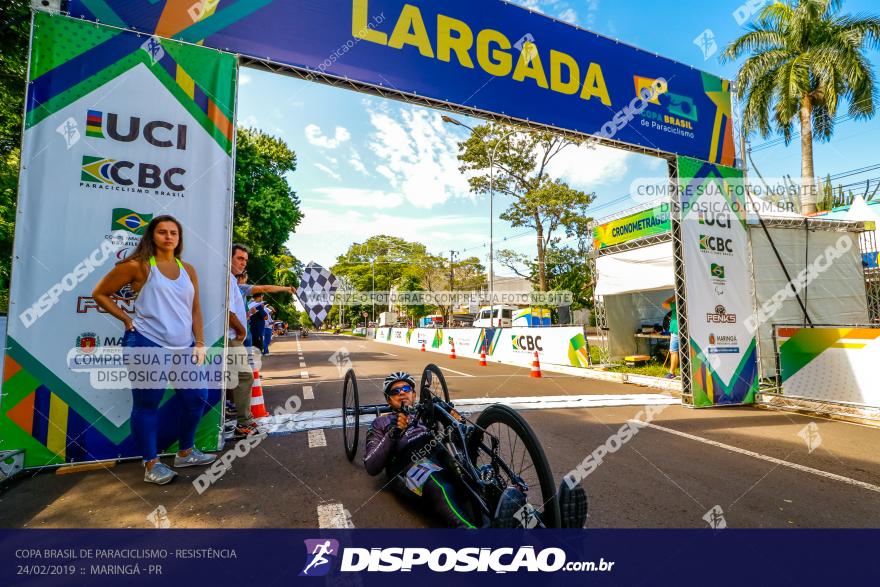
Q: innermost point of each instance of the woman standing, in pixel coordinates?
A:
(167, 319)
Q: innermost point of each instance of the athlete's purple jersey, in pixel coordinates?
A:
(383, 451)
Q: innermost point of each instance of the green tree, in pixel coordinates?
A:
(805, 58)
(520, 169)
(266, 211)
(14, 27)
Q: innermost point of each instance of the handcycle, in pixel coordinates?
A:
(484, 454)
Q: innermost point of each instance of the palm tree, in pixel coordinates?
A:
(804, 58)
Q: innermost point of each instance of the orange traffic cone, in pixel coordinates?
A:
(452, 352)
(423, 347)
(536, 367)
(483, 357)
(258, 405)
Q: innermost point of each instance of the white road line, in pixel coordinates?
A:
(317, 438)
(302, 364)
(332, 418)
(769, 459)
(307, 392)
(304, 374)
(331, 515)
(389, 354)
(454, 371)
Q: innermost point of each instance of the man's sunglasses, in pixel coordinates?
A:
(403, 389)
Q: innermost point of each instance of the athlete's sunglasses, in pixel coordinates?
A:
(402, 389)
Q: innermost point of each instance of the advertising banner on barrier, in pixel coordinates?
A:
(119, 128)
(639, 225)
(828, 363)
(540, 70)
(715, 245)
(558, 346)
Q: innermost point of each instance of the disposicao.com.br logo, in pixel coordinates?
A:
(441, 560)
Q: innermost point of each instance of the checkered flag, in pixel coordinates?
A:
(316, 289)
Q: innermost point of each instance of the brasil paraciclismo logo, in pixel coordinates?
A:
(96, 169)
(320, 553)
(129, 220)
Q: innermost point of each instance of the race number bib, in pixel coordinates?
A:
(418, 474)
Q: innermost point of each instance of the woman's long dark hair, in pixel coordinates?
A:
(147, 247)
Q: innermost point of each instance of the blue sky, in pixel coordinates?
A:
(371, 166)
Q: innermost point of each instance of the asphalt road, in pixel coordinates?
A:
(750, 466)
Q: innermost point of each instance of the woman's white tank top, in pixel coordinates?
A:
(163, 308)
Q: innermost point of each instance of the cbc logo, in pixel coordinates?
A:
(526, 342)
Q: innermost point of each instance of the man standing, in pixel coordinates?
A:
(267, 329)
(239, 365)
(673, 335)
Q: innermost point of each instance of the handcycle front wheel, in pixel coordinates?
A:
(433, 383)
(520, 449)
(351, 414)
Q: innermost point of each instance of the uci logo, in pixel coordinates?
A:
(156, 132)
(716, 244)
(526, 343)
(126, 173)
(710, 219)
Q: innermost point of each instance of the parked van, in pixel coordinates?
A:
(503, 316)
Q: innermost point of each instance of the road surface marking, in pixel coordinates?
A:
(769, 459)
(317, 438)
(332, 515)
(304, 374)
(302, 364)
(389, 354)
(303, 421)
(454, 371)
(307, 392)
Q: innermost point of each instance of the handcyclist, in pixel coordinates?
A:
(418, 469)
(406, 450)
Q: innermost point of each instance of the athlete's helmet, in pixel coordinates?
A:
(394, 378)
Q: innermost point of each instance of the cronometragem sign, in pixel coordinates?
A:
(482, 54)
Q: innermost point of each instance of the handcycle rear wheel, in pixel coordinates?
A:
(351, 416)
(433, 383)
(520, 448)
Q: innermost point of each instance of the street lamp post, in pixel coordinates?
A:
(494, 152)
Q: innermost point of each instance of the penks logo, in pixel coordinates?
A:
(318, 552)
(129, 220)
(104, 173)
(720, 316)
(158, 133)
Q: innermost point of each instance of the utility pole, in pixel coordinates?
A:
(451, 280)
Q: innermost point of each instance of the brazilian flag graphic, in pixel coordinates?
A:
(133, 222)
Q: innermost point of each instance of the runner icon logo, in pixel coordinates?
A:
(318, 556)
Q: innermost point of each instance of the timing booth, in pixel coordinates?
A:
(636, 267)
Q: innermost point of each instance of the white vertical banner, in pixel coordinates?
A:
(120, 129)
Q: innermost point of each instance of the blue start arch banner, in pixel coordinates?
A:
(486, 55)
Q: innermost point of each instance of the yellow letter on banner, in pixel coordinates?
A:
(532, 68)
(594, 85)
(557, 61)
(447, 43)
(359, 28)
(411, 18)
(503, 62)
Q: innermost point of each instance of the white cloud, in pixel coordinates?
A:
(250, 121)
(316, 137)
(327, 233)
(568, 15)
(417, 155)
(244, 79)
(358, 164)
(592, 9)
(328, 171)
(366, 198)
(584, 167)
